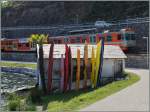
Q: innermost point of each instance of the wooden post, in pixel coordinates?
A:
(78, 70)
(50, 68)
(41, 68)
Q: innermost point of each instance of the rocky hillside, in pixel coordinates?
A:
(48, 12)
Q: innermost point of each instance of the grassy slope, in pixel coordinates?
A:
(23, 65)
(78, 99)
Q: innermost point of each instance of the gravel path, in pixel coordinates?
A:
(132, 98)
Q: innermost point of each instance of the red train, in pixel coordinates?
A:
(17, 45)
(125, 38)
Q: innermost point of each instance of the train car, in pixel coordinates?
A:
(129, 38)
(17, 45)
(25, 45)
(125, 38)
(9, 44)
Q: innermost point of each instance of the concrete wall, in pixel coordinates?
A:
(137, 61)
(26, 71)
(28, 57)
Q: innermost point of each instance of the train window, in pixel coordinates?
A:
(19, 45)
(91, 40)
(78, 40)
(83, 40)
(132, 36)
(119, 36)
(127, 36)
(15, 46)
(109, 38)
(59, 41)
(72, 40)
(65, 39)
(27, 44)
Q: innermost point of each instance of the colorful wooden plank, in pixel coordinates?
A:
(97, 62)
(62, 73)
(66, 69)
(70, 69)
(50, 68)
(85, 65)
(92, 67)
(72, 64)
(78, 70)
(101, 63)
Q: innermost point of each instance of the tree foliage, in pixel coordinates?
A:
(6, 3)
(38, 38)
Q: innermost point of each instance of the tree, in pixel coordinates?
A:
(40, 39)
(6, 3)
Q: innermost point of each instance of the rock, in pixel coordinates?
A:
(17, 82)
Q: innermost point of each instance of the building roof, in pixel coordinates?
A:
(110, 51)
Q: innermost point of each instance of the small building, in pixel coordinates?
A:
(113, 64)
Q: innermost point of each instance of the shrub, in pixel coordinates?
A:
(14, 105)
(34, 96)
(13, 96)
(13, 102)
(30, 108)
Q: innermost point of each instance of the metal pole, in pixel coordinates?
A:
(147, 50)
(147, 53)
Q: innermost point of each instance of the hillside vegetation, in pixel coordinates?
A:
(47, 13)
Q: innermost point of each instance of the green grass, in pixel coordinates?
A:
(21, 65)
(76, 100)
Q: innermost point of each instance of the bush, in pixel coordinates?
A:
(13, 96)
(13, 102)
(34, 96)
(30, 108)
(14, 105)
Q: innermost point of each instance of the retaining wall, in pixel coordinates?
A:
(28, 57)
(26, 71)
(137, 61)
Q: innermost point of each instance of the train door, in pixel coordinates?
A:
(83, 39)
(72, 39)
(59, 40)
(62, 40)
(87, 39)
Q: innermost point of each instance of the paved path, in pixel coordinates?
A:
(133, 98)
